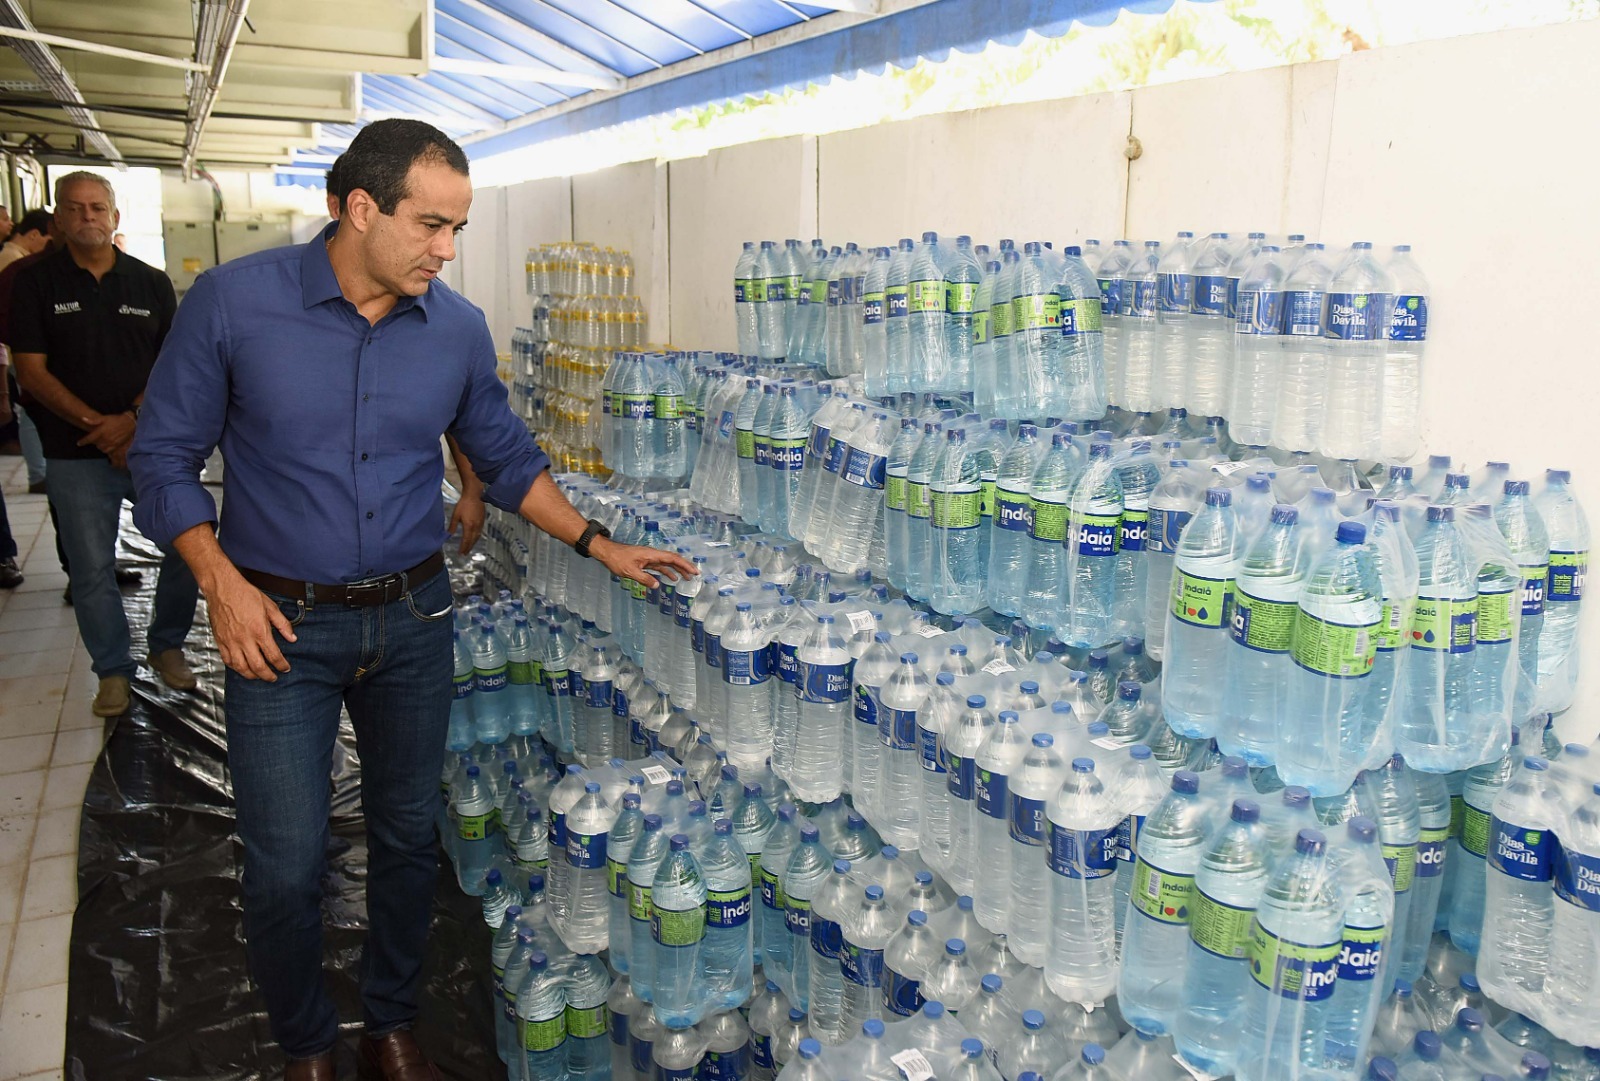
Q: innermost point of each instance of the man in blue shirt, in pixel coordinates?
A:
(327, 374)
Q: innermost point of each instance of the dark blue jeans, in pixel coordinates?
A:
(390, 666)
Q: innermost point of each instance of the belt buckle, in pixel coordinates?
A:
(368, 592)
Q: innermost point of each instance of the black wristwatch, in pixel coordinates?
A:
(581, 546)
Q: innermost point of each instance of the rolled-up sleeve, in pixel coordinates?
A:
(494, 439)
(185, 403)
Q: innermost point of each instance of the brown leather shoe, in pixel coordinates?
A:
(173, 669)
(395, 1056)
(310, 1069)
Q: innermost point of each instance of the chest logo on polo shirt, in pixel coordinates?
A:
(68, 307)
(128, 309)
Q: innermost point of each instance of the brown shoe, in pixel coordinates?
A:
(173, 669)
(112, 698)
(395, 1056)
(310, 1069)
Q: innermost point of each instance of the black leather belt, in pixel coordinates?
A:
(363, 594)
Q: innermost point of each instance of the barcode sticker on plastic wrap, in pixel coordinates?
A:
(928, 630)
(862, 620)
(998, 667)
(656, 774)
(912, 1065)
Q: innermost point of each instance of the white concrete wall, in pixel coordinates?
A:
(1467, 149)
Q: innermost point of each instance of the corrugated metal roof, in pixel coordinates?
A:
(510, 73)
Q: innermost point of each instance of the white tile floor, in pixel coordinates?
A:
(48, 743)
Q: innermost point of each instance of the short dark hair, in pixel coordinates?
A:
(34, 221)
(381, 155)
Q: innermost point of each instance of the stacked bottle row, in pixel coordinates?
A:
(928, 317)
(560, 360)
(578, 269)
(1298, 348)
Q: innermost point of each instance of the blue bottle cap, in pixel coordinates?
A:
(809, 1048)
(1060, 707)
(1536, 1067)
(1032, 1019)
(991, 984)
(674, 788)
(889, 852)
(1009, 716)
(1469, 983)
(923, 878)
(808, 833)
(1093, 1054)
(1284, 514)
(493, 877)
(917, 918)
(1098, 658)
(1351, 533)
(1469, 1019)
(1186, 781)
(630, 800)
(1382, 1069)
(591, 787)
(679, 842)
(955, 947)
(1536, 763)
(796, 1014)
(1083, 765)
(1043, 739)
(874, 893)
(1129, 690)
(1362, 830)
(964, 903)
(933, 1010)
(1295, 796)
(1310, 842)
(841, 867)
(1139, 752)
(1219, 497)
(908, 658)
(976, 701)
(1246, 810)
(873, 1029)
(652, 822)
(722, 828)
(973, 1048)
(1234, 766)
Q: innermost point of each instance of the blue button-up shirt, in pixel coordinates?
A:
(329, 426)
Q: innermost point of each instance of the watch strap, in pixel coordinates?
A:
(595, 529)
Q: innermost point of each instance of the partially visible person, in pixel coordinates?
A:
(121, 241)
(86, 323)
(30, 237)
(5, 223)
(10, 573)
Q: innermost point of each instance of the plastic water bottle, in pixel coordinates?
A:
(587, 986)
(745, 658)
(1433, 806)
(997, 760)
(925, 319)
(1524, 531)
(1297, 417)
(823, 688)
(962, 742)
(1172, 504)
(1080, 391)
(1399, 830)
(1360, 304)
(907, 960)
(1436, 729)
(830, 911)
(491, 700)
(777, 944)
(1138, 476)
(522, 676)
(625, 833)
(1023, 385)
(1156, 932)
(961, 273)
(1082, 854)
(744, 305)
(1519, 903)
(1349, 1020)
(1291, 985)
(1174, 300)
(1200, 618)
(871, 672)
(1140, 788)
(1402, 365)
(935, 824)
(867, 934)
(677, 929)
(1210, 329)
(1266, 595)
(588, 825)
(1479, 790)
(1140, 335)
(807, 867)
(1036, 782)
(919, 509)
(1229, 880)
(1091, 545)
(1568, 529)
(648, 853)
(850, 536)
(1049, 493)
(557, 661)
(624, 1010)
(473, 804)
(1574, 976)
(771, 302)
(541, 1022)
(901, 701)
(463, 728)
(1258, 349)
(1335, 646)
(725, 955)
(961, 491)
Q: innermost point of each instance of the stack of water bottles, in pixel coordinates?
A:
(583, 311)
(1298, 347)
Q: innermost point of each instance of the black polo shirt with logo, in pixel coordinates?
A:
(100, 339)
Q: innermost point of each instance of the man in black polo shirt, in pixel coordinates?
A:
(86, 325)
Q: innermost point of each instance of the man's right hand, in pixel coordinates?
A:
(243, 619)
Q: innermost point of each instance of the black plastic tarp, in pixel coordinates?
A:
(158, 981)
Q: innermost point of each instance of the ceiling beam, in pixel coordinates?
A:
(859, 7)
(218, 49)
(47, 66)
(104, 50)
(524, 73)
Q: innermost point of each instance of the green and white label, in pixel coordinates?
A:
(546, 1035)
(1495, 618)
(958, 297)
(1162, 895)
(894, 492)
(1049, 521)
(1336, 650)
(1220, 928)
(960, 509)
(1201, 602)
(1263, 625)
(1037, 311)
(917, 504)
(927, 296)
(1443, 625)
